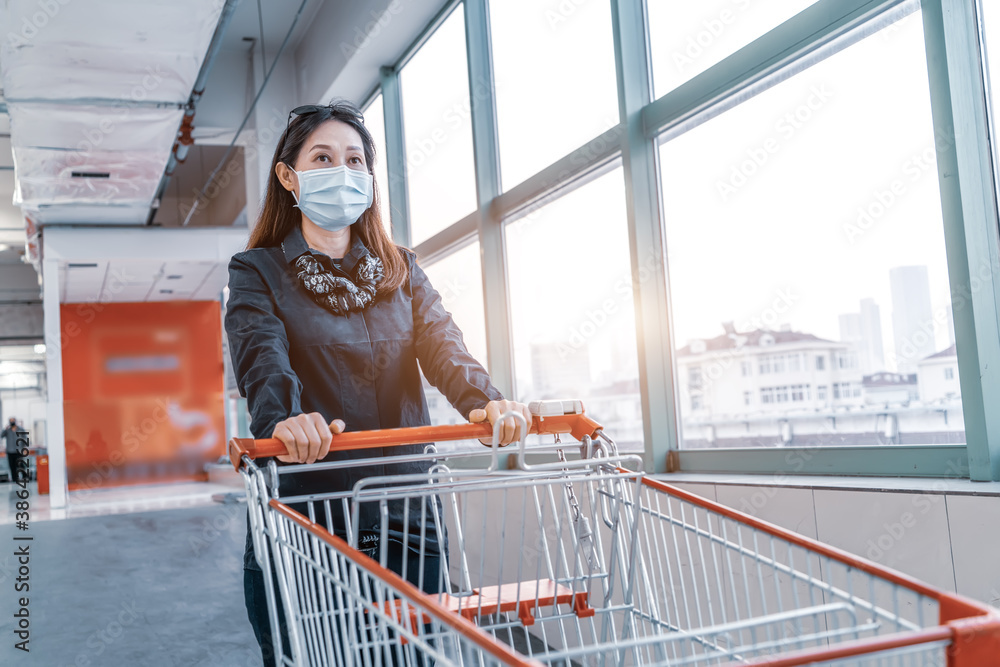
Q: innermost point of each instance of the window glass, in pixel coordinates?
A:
(375, 122)
(806, 224)
(571, 306)
(686, 38)
(554, 70)
(991, 32)
(458, 278)
(440, 169)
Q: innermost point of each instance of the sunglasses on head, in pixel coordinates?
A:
(307, 109)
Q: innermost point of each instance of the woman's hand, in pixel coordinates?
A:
(307, 437)
(510, 430)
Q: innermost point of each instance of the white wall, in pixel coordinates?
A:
(950, 541)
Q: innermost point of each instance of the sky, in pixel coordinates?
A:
(763, 204)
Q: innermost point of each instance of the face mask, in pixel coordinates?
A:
(334, 198)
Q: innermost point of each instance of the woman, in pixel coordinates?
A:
(327, 319)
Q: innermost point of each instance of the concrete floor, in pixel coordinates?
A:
(149, 588)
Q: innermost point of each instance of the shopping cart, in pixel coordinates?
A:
(580, 561)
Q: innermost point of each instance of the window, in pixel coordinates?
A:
(846, 360)
(863, 111)
(440, 173)
(458, 279)
(554, 68)
(375, 122)
(689, 37)
(582, 347)
(778, 364)
(800, 208)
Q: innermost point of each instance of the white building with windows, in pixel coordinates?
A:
(937, 376)
(779, 388)
(766, 372)
(888, 389)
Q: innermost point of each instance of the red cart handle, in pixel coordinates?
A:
(576, 425)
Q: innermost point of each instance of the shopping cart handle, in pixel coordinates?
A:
(575, 425)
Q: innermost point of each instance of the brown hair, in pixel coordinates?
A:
(278, 217)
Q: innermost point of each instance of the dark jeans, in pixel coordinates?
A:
(256, 597)
(14, 460)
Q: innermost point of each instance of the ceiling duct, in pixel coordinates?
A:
(98, 89)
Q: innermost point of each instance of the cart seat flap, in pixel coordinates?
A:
(521, 597)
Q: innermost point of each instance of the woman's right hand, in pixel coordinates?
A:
(307, 437)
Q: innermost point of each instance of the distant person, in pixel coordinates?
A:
(9, 433)
(327, 319)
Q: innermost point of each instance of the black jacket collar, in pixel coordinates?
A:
(294, 246)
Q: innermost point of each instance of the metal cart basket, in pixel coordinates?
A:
(576, 562)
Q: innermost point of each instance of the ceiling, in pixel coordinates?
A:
(124, 280)
(94, 95)
(94, 113)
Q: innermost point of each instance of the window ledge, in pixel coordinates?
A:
(940, 486)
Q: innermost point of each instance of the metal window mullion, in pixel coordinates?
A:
(486, 153)
(395, 156)
(969, 209)
(647, 245)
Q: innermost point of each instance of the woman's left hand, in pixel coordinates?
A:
(510, 429)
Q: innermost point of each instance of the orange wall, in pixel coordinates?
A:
(142, 391)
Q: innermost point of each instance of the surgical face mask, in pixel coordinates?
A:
(335, 197)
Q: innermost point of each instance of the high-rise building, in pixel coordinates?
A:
(864, 331)
(871, 355)
(850, 327)
(912, 317)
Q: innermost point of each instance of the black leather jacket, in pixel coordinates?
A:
(291, 356)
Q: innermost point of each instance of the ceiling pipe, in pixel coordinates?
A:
(184, 139)
(253, 105)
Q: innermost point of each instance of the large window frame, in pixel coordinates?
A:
(959, 98)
